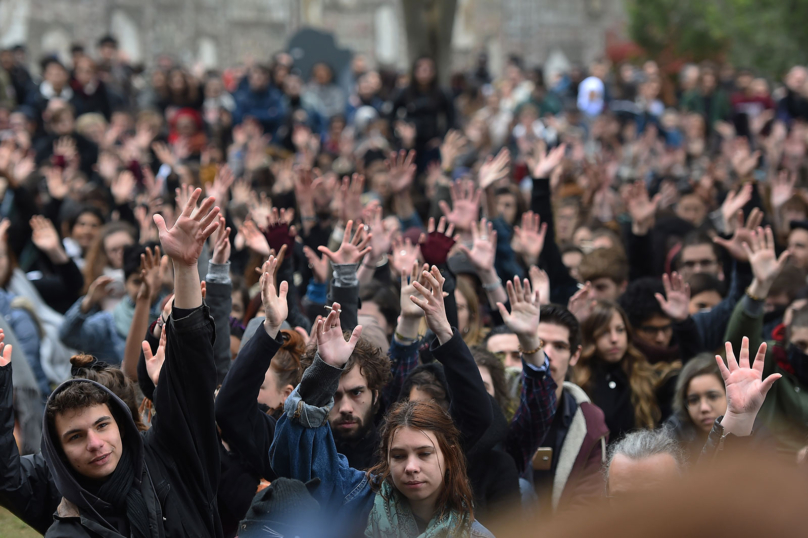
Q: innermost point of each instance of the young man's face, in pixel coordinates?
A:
(556, 345)
(352, 413)
(506, 346)
(798, 246)
(699, 259)
(704, 301)
(90, 439)
(656, 330)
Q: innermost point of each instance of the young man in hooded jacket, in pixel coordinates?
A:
(116, 481)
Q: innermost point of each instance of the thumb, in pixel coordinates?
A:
(160, 222)
(357, 332)
(147, 350)
(282, 289)
(444, 207)
(661, 300)
(768, 383)
(503, 312)
(720, 241)
(781, 261)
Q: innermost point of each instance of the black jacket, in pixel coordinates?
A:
(177, 459)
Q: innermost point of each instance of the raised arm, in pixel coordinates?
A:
(220, 298)
(470, 405)
(345, 262)
(184, 428)
(244, 426)
(537, 405)
(152, 268)
(26, 487)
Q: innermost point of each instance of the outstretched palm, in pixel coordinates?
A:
(184, 242)
(746, 388)
(523, 318)
(331, 344)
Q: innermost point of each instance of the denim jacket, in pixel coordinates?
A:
(304, 449)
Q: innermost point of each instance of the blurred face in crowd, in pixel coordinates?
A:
(292, 86)
(699, 259)
(582, 237)
(506, 207)
(56, 75)
(706, 400)
(272, 395)
(259, 79)
(369, 84)
(114, 244)
(505, 346)
(796, 78)
(462, 311)
(238, 307)
(7, 60)
(704, 301)
(606, 289)
(708, 81)
(556, 345)
(612, 343)
(177, 82)
(352, 413)
(798, 246)
(424, 71)
(62, 122)
(90, 439)
(85, 230)
(417, 465)
(630, 477)
(692, 209)
(321, 74)
(132, 285)
(108, 51)
(656, 330)
(84, 71)
(572, 260)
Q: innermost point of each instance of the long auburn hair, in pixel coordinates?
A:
(644, 378)
(286, 362)
(473, 334)
(97, 258)
(429, 416)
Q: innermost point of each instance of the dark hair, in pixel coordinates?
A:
(428, 416)
(696, 238)
(790, 280)
(385, 298)
(76, 396)
(74, 216)
(701, 364)
(559, 315)
(702, 282)
(373, 364)
(48, 60)
(108, 39)
(131, 259)
(485, 358)
(608, 263)
(639, 301)
(286, 362)
(112, 378)
(496, 331)
(428, 378)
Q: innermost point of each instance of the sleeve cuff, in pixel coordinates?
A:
(752, 308)
(345, 275)
(320, 382)
(532, 368)
(218, 273)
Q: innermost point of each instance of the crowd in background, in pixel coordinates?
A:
(538, 270)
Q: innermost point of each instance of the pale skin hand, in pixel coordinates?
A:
(733, 203)
(254, 239)
(403, 254)
(47, 240)
(641, 208)
(431, 302)
(745, 386)
(221, 248)
(273, 298)
(542, 163)
(582, 303)
(350, 193)
(97, 291)
(5, 351)
(411, 313)
(152, 268)
(154, 363)
(742, 234)
(318, 265)
(465, 205)
(57, 186)
(528, 239)
(541, 283)
(676, 300)
(495, 168)
(523, 319)
(123, 187)
(763, 259)
(401, 170)
(782, 188)
(331, 344)
(350, 250)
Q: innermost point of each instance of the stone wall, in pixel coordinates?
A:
(218, 32)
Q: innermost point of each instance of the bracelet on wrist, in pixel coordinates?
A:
(405, 340)
(752, 296)
(530, 351)
(493, 285)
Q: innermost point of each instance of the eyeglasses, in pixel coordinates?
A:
(650, 330)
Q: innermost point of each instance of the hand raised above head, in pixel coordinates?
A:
(183, 243)
(331, 344)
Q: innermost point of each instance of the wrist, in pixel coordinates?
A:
(271, 329)
(86, 305)
(444, 334)
(639, 229)
(758, 290)
(529, 342)
(408, 326)
(58, 256)
(738, 425)
(489, 277)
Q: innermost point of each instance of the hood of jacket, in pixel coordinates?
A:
(64, 476)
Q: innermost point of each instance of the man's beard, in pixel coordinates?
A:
(363, 424)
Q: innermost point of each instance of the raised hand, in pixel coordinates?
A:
(123, 187)
(154, 187)
(221, 248)
(676, 301)
(273, 297)
(97, 291)
(641, 208)
(183, 243)
(351, 250)
(453, 143)
(541, 283)
(318, 265)
(431, 302)
(523, 319)
(58, 188)
(154, 363)
(381, 238)
(46, 239)
(465, 205)
(308, 181)
(331, 344)
(743, 234)
(495, 168)
(260, 210)
(5, 351)
(542, 163)
(437, 242)
(765, 264)
(241, 191)
(220, 187)
(152, 269)
(401, 170)
(528, 240)
(483, 248)
(403, 254)
(746, 388)
(582, 303)
(733, 203)
(350, 194)
(164, 154)
(743, 160)
(253, 239)
(782, 188)
(408, 308)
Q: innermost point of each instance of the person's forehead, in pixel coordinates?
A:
(657, 320)
(629, 475)
(503, 342)
(81, 418)
(798, 235)
(698, 251)
(799, 333)
(703, 383)
(352, 379)
(707, 296)
(405, 438)
(554, 332)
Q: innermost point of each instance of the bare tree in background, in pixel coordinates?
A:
(429, 25)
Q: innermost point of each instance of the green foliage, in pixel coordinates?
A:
(767, 35)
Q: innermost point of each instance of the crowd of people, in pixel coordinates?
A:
(260, 302)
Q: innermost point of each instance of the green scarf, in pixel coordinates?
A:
(391, 517)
